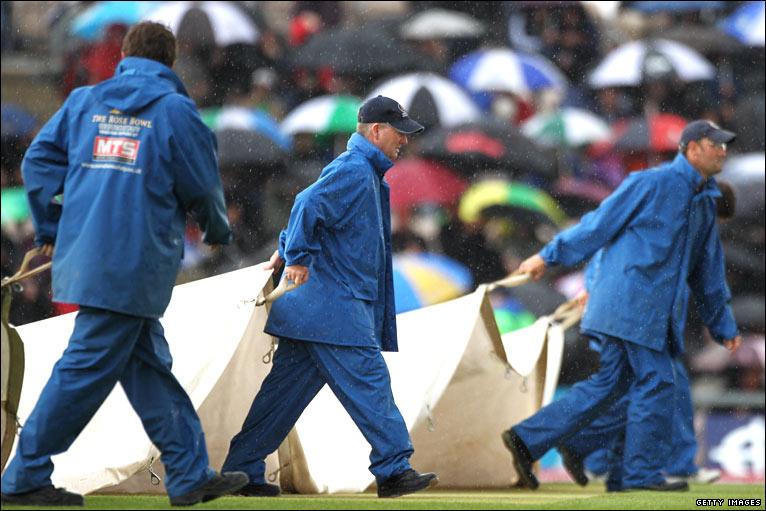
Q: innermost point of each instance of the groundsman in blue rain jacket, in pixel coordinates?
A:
(131, 156)
(110, 179)
(333, 328)
(658, 237)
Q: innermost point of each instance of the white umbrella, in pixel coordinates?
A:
(430, 99)
(441, 24)
(569, 127)
(745, 169)
(323, 115)
(230, 25)
(626, 65)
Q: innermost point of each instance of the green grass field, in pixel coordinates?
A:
(549, 496)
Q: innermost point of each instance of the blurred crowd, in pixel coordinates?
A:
(535, 112)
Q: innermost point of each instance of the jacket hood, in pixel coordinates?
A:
(380, 162)
(137, 83)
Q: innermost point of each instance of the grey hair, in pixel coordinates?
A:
(363, 128)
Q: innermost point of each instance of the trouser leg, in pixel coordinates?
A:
(97, 353)
(287, 390)
(684, 447)
(166, 411)
(360, 380)
(581, 405)
(649, 429)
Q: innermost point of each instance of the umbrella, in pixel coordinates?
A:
(414, 182)
(247, 119)
(747, 24)
(511, 315)
(13, 205)
(425, 279)
(487, 144)
(360, 51)
(323, 116)
(745, 173)
(430, 99)
(243, 148)
(750, 122)
(526, 201)
(683, 6)
(17, 122)
(568, 127)
(629, 64)
(504, 70)
(707, 40)
(442, 24)
(659, 133)
(578, 196)
(228, 22)
(91, 22)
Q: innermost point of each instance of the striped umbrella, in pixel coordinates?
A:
(245, 119)
(323, 116)
(425, 279)
(568, 127)
(504, 70)
(531, 202)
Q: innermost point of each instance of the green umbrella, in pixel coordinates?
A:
(512, 195)
(324, 115)
(13, 205)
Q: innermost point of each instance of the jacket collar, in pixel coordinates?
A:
(380, 162)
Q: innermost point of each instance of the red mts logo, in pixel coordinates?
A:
(124, 150)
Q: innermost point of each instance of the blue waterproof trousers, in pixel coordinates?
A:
(358, 376)
(105, 348)
(646, 376)
(593, 442)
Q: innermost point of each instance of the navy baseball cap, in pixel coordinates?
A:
(697, 130)
(383, 109)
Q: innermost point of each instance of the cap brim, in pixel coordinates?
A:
(407, 126)
(722, 136)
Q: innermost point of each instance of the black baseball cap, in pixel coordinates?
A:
(697, 130)
(383, 109)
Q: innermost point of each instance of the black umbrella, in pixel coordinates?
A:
(357, 51)
(249, 149)
(708, 40)
(488, 145)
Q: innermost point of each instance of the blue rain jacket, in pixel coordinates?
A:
(131, 157)
(659, 235)
(340, 228)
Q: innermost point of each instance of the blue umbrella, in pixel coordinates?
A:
(747, 24)
(425, 279)
(247, 119)
(504, 70)
(90, 24)
(654, 6)
(17, 122)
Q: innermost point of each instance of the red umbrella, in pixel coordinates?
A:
(659, 133)
(415, 181)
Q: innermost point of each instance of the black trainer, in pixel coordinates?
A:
(522, 460)
(406, 482)
(45, 496)
(221, 484)
(663, 486)
(260, 490)
(573, 464)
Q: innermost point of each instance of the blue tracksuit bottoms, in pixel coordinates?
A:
(359, 378)
(105, 348)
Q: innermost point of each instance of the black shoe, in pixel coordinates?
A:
(260, 490)
(574, 466)
(221, 484)
(408, 481)
(46, 496)
(663, 486)
(522, 460)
